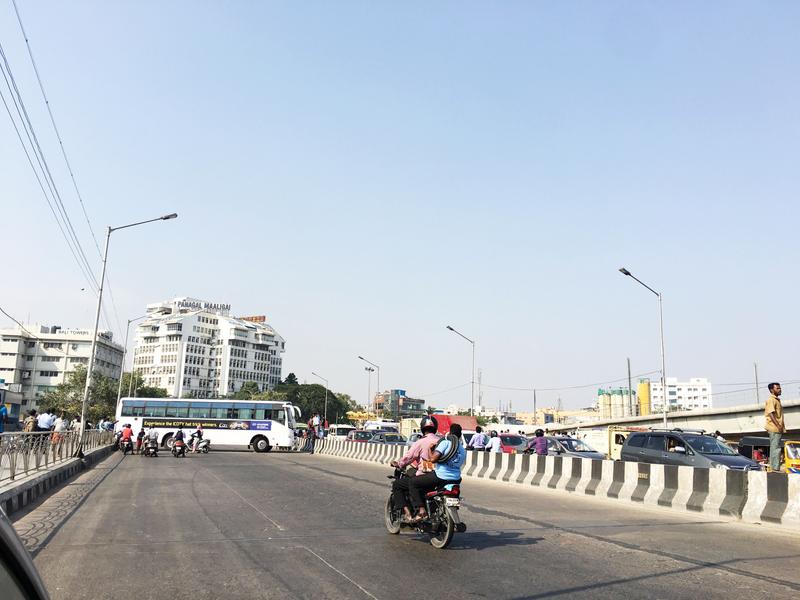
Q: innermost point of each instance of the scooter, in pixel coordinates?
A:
(179, 449)
(150, 447)
(203, 445)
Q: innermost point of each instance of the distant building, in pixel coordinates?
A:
(694, 394)
(195, 349)
(39, 357)
(617, 403)
(399, 404)
(643, 393)
(544, 416)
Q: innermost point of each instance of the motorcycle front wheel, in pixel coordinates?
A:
(392, 517)
(442, 538)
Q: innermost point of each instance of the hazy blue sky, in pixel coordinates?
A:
(365, 173)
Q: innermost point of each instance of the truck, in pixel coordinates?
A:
(608, 440)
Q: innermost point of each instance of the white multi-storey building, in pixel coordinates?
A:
(694, 394)
(39, 357)
(195, 349)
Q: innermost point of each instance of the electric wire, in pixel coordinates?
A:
(66, 161)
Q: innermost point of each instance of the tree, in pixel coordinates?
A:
(248, 391)
(68, 396)
(291, 379)
(310, 398)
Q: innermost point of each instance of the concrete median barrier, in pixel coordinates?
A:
(753, 497)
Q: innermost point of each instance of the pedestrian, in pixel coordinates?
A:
(773, 411)
(43, 422)
(477, 441)
(315, 422)
(29, 424)
(494, 443)
(3, 417)
(59, 427)
(139, 440)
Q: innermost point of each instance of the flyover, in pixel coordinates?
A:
(733, 421)
(245, 525)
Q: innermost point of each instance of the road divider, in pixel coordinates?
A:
(750, 496)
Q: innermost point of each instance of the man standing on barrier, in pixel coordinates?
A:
(775, 425)
(418, 457)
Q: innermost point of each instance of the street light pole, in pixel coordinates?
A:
(89, 372)
(379, 373)
(627, 273)
(124, 354)
(369, 371)
(472, 373)
(325, 416)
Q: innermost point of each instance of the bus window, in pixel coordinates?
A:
(132, 408)
(219, 411)
(177, 410)
(232, 413)
(261, 413)
(155, 408)
(279, 415)
(199, 411)
(245, 410)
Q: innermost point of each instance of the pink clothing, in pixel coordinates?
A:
(420, 451)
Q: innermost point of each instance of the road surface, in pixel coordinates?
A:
(245, 525)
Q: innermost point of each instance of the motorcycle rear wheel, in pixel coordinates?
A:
(442, 539)
(392, 517)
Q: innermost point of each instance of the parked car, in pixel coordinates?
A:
(359, 435)
(388, 437)
(685, 448)
(413, 438)
(561, 445)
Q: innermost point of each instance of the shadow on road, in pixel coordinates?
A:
(483, 540)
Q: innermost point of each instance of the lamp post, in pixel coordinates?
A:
(325, 415)
(89, 372)
(379, 372)
(472, 373)
(124, 354)
(627, 273)
(369, 371)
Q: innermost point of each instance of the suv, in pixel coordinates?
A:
(684, 448)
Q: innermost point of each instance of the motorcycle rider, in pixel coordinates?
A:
(178, 437)
(418, 456)
(196, 438)
(443, 473)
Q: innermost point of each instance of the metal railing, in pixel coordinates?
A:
(24, 453)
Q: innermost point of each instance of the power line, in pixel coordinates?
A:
(569, 387)
(66, 161)
(458, 387)
(30, 132)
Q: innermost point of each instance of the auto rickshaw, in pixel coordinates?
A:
(791, 456)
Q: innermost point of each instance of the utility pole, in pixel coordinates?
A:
(534, 406)
(630, 386)
(758, 391)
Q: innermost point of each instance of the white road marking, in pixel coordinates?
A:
(330, 566)
(246, 501)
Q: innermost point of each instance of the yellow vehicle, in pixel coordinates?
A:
(791, 456)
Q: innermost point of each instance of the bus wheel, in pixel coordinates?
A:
(167, 442)
(261, 444)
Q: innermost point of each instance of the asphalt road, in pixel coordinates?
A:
(244, 525)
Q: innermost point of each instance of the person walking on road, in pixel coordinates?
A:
(3, 417)
(773, 411)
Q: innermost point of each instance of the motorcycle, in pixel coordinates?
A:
(150, 448)
(442, 521)
(126, 446)
(179, 449)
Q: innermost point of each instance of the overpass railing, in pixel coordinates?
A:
(23, 453)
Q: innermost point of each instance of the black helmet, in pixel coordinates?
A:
(429, 423)
(539, 433)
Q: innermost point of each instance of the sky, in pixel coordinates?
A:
(367, 173)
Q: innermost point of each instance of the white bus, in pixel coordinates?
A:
(260, 425)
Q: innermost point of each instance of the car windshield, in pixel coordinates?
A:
(574, 445)
(362, 435)
(512, 440)
(705, 444)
